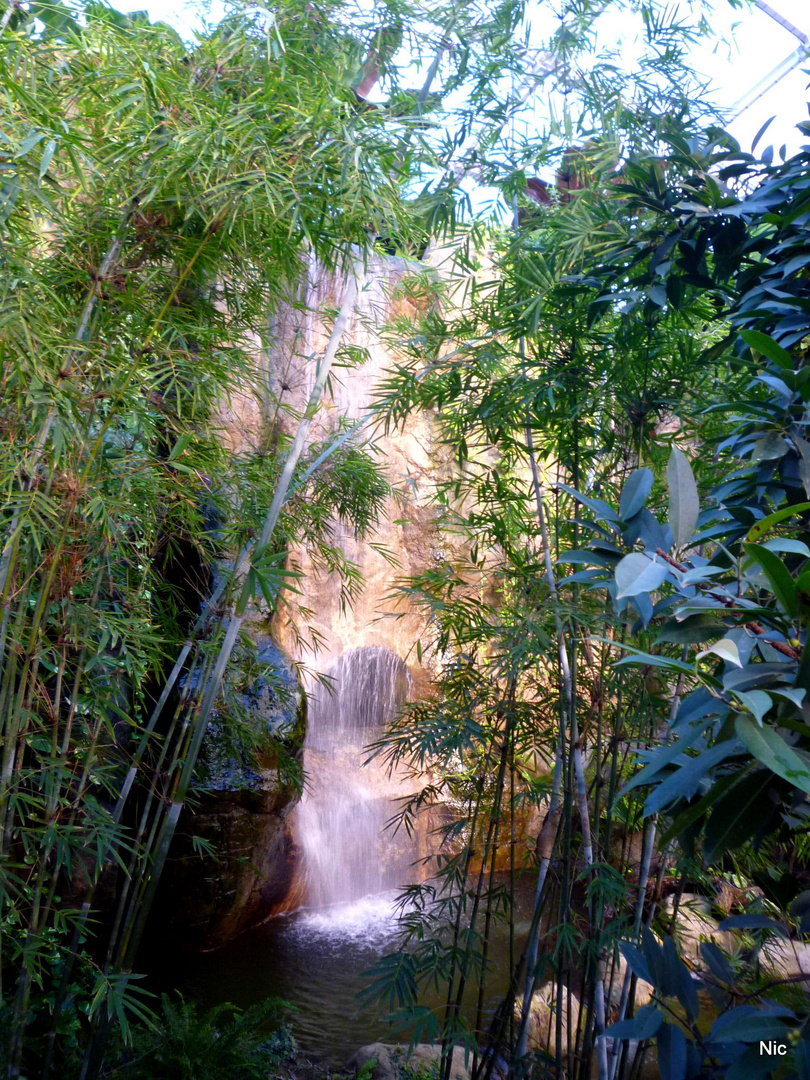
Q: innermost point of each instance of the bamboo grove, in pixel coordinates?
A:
(157, 202)
(638, 617)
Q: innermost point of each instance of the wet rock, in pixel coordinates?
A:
(395, 1062)
(232, 862)
(240, 752)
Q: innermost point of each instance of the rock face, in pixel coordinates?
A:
(263, 850)
(788, 960)
(329, 637)
(396, 1063)
(243, 870)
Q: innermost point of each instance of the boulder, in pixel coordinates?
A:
(243, 870)
(695, 924)
(614, 982)
(787, 960)
(397, 1062)
(542, 1032)
(543, 1022)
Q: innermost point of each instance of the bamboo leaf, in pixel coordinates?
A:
(47, 155)
(28, 143)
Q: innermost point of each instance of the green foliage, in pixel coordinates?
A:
(223, 1043)
(157, 204)
(600, 353)
(684, 1048)
(731, 769)
(734, 605)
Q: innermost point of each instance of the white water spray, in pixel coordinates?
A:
(347, 855)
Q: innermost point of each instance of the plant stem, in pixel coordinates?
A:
(200, 711)
(643, 878)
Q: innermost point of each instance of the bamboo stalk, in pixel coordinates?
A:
(200, 711)
(488, 851)
(12, 7)
(508, 760)
(546, 842)
(643, 878)
(30, 466)
(599, 988)
(565, 670)
(446, 1060)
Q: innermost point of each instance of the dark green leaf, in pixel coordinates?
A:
(717, 962)
(754, 922)
(683, 783)
(635, 961)
(737, 815)
(635, 492)
(768, 347)
(671, 1046)
(778, 575)
(749, 1024)
(769, 748)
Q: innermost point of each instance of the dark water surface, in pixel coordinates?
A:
(316, 961)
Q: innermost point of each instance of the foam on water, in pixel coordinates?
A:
(371, 921)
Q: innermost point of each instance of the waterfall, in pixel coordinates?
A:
(342, 816)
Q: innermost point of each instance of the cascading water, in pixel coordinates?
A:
(341, 819)
(348, 868)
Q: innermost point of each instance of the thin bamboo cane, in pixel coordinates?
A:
(203, 709)
(47, 877)
(107, 264)
(29, 467)
(446, 1059)
(577, 758)
(12, 7)
(643, 878)
(509, 749)
(599, 989)
(562, 653)
(486, 853)
(546, 843)
(503, 1016)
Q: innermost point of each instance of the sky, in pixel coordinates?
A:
(747, 46)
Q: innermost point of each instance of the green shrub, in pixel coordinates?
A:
(222, 1043)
